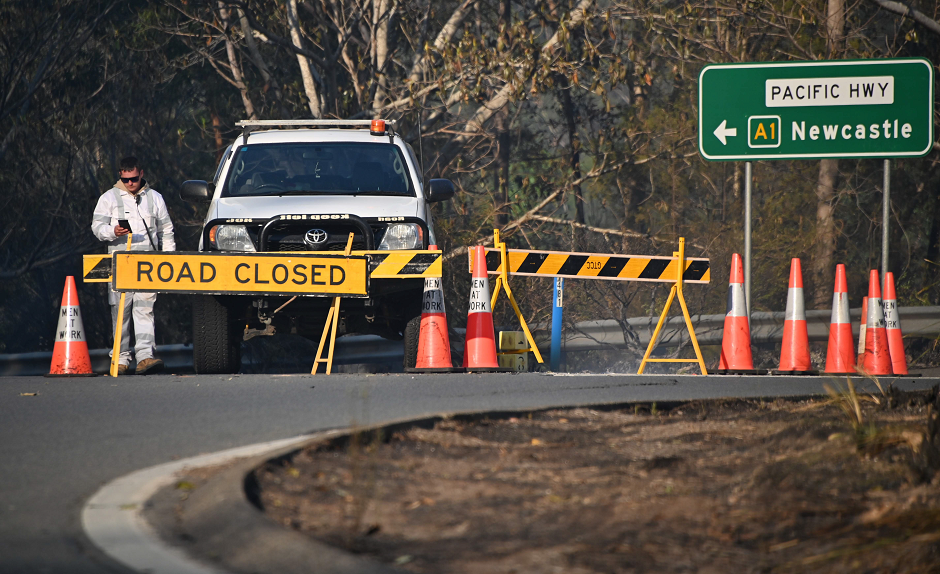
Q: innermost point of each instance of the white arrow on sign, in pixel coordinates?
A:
(723, 132)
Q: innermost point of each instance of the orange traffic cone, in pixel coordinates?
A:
(862, 327)
(840, 356)
(794, 353)
(433, 340)
(70, 354)
(479, 353)
(736, 339)
(893, 328)
(877, 357)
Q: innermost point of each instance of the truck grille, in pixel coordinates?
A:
(289, 236)
(293, 245)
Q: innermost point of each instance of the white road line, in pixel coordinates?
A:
(113, 517)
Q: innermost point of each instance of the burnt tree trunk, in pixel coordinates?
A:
(824, 257)
(574, 158)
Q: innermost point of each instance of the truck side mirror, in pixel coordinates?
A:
(196, 190)
(440, 190)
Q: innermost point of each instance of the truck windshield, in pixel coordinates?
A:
(330, 168)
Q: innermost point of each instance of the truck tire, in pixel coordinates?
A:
(216, 340)
(411, 336)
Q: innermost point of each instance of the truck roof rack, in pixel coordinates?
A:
(248, 125)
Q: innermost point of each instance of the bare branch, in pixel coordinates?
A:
(905, 10)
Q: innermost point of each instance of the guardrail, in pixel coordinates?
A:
(766, 327)
(353, 349)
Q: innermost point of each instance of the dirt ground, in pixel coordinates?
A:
(709, 487)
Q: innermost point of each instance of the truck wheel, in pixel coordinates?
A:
(412, 333)
(216, 338)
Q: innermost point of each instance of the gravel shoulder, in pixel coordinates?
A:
(706, 486)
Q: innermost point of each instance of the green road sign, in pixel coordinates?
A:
(806, 110)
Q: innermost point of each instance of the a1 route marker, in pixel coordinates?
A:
(807, 110)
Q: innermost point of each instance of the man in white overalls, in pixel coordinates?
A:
(133, 200)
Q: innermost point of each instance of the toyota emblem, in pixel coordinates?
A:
(316, 238)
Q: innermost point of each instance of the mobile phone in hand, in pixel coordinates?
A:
(125, 224)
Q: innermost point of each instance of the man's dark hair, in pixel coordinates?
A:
(129, 163)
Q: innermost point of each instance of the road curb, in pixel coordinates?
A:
(216, 529)
(218, 523)
(113, 517)
(220, 530)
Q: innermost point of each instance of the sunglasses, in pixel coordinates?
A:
(130, 179)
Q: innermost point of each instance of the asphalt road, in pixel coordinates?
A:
(59, 446)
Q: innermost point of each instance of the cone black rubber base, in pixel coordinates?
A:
(828, 374)
(56, 376)
(796, 373)
(489, 370)
(742, 372)
(435, 370)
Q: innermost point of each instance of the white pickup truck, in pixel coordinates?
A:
(305, 185)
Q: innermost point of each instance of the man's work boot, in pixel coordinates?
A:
(147, 366)
(122, 370)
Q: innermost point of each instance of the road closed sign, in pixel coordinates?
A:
(812, 110)
(320, 275)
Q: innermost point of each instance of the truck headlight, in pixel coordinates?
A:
(231, 238)
(402, 236)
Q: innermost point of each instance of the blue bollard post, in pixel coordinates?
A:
(557, 297)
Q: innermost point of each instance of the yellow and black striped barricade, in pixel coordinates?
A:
(676, 270)
(302, 273)
(97, 268)
(597, 266)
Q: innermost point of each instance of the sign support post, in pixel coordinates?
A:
(747, 238)
(118, 328)
(329, 329)
(557, 301)
(885, 220)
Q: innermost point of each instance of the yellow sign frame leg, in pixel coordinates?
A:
(332, 321)
(503, 282)
(675, 291)
(116, 348)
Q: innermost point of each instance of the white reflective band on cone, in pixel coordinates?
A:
(736, 306)
(70, 325)
(479, 295)
(796, 310)
(433, 296)
(876, 314)
(840, 309)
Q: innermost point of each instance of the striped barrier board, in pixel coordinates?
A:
(597, 266)
(96, 268)
(404, 264)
